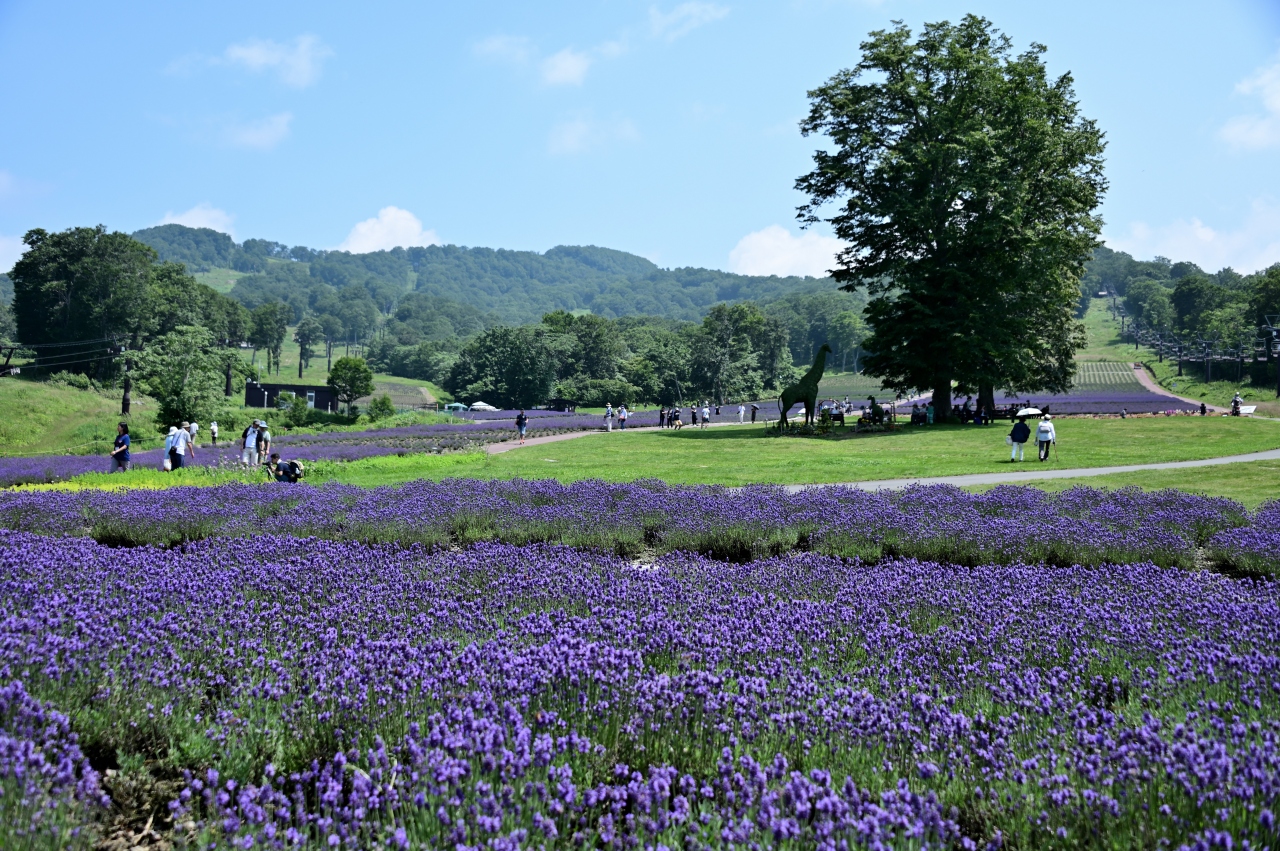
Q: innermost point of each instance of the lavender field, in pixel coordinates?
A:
(320, 446)
(473, 664)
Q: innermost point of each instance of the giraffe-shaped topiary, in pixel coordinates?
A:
(805, 390)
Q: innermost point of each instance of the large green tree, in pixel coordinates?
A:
(268, 325)
(308, 333)
(967, 182)
(182, 371)
(350, 379)
(505, 366)
(80, 293)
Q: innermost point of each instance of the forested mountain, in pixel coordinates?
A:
(512, 287)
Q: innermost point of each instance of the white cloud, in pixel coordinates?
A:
(515, 49)
(11, 248)
(683, 19)
(296, 63)
(580, 135)
(566, 68)
(774, 251)
(1252, 246)
(1257, 131)
(202, 215)
(263, 134)
(392, 227)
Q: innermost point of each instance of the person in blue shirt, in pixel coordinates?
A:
(120, 452)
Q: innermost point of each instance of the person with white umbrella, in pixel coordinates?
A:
(1045, 436)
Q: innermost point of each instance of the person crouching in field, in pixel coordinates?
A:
(284, 471)
(1045, 436)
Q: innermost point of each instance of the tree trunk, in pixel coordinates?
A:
(329, 347)
(226, 388)
(986, 397)
(125, 400)
(299, 368)
(941, 397)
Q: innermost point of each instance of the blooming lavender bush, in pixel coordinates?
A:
(1251, 549)
(1006, 525)
(47, 786)
(336, 694)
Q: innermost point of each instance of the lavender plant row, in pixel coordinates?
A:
(324, 694)
(1005, 525)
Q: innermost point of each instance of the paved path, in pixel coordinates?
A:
(1016, 475)
(1140, 373)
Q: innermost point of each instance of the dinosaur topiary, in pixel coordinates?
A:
(805, 390)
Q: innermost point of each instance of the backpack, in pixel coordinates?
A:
(298, 470)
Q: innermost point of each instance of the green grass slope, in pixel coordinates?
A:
(43, 418)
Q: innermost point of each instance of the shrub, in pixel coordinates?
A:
(381, 407)
(71, 379)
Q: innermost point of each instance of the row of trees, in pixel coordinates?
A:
(1182, 299)
(736, 352)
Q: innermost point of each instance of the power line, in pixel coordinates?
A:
(62, 345)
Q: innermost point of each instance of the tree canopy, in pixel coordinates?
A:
(350, 379)
(967, 182)
(84, 294)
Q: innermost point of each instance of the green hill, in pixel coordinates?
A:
(487, 285)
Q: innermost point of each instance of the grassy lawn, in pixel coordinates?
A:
(48, 418)
(1252, 483)
(1104, 335)
(1218, 393)
(222, 280)
(736, 455)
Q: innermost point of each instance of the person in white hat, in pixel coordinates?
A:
(168, 447)
(249, 445)
(1045, 436)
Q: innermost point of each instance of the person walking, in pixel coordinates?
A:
(608, 416)
(120, 451)
(213, 432)
(1045, 436)
(693, 415)
(1018, 437)
(662, 417)
(264, 441)
(168, 447)
(706, 415)
(522, 422)
(249, 445)
(195, 431)
(754, 409)
(673, 419)
(742, 412)
(622, 417)
(182, 445)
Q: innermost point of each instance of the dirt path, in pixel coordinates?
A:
(1140, 373)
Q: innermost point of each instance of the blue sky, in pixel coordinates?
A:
(667, 129)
